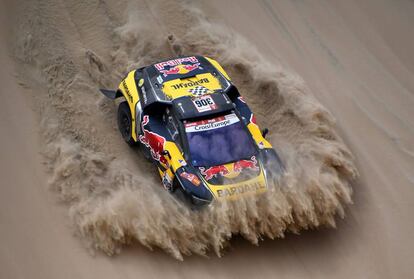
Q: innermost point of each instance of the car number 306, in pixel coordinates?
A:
(204, 103)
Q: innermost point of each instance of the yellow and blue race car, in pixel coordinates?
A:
(191, 122)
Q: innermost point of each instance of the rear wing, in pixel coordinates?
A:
(111, 94)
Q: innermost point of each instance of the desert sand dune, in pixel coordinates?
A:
(68, 193)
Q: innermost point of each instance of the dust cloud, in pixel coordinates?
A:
(113, 195)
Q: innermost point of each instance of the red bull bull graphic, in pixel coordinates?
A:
(178, 66)
(214, 171)
(175, 62)
(224, 170)
(180, 69)
(153, 141)
(245, 164)
(191, 177)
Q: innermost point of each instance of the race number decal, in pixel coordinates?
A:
(204, 103)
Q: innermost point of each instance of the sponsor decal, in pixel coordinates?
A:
(178, 66)
(159, 79)
(127, 91)
(213, 171)
(191, 177)
(241, 99)
(210, 124)
(246, 164)
(167, 181)
(182, 162)
(141, 82)
(213, 125)
(190, 83)
(223, 170)
(144, 94)
(153, 141)
(204, 103)
(261, 145)
(180, 105)
(199, 91)
(175, 62)
(241, 189)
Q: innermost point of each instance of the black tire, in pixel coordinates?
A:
(125, 123)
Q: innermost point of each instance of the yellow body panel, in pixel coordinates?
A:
(167, 173)
(218, 67)
(177, 160)
(176, 155)
(252, 186)
(180, 87)
(129, 89)
(257, 136)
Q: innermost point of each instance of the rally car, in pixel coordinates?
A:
(191, 122)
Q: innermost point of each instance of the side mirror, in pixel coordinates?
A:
(166, 153)
(265, 131)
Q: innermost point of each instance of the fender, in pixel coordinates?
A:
(129, 90)
(218, 67)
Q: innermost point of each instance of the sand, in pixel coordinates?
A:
(68, 193)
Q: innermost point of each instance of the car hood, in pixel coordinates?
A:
(232, 180)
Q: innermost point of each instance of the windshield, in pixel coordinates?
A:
(218, 141)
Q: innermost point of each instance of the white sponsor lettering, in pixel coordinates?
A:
(159, 79)
(144, 94)
(175, 62)
(241, 189)
(211, 124)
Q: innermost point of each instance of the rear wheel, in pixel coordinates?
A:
(125, 123)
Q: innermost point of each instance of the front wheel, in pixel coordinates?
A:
(125, 123)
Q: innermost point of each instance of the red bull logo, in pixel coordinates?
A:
(178, 66)
(214, 171)
(181, 69)
(175, 62)
(230, 170)
(245, 164)
(153, 141)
